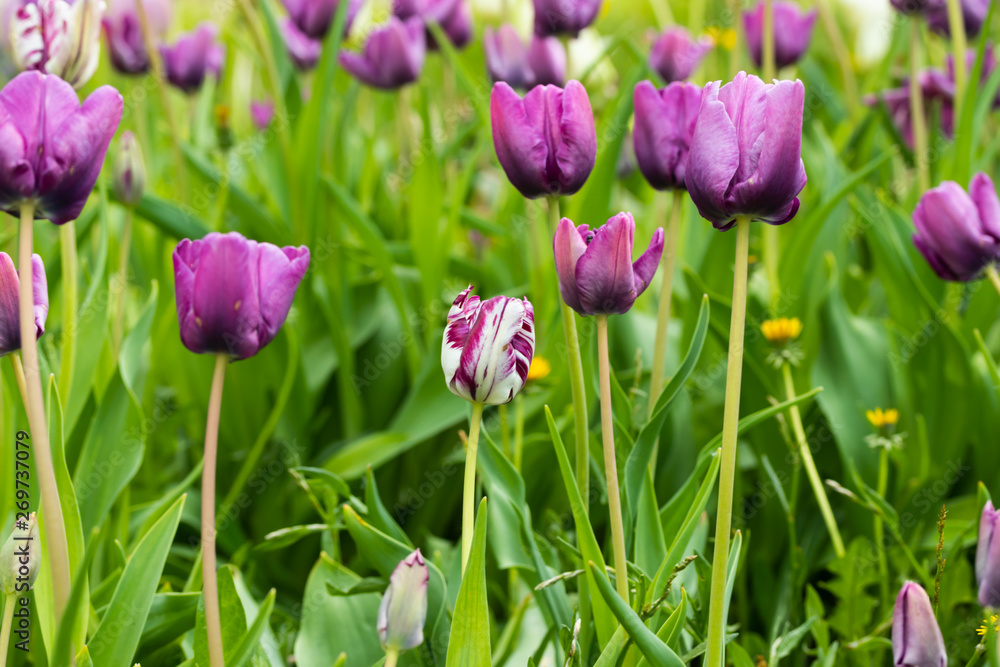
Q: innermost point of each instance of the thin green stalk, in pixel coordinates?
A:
(843, 55)
(611, 461)
(8, 621)
(767, 55)
(919, 119)
(518, 431)
(210, 586)
(667, 262)
(391, 657)
(879, 526)
(469, 494)
(727, 475)
(505, 431)
(118, 331)
(810, 466)
(956, 25)
(67, 246)
(22, 386)
(991, 273)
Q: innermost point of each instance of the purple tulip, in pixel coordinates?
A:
(193, 56)
(675, 56)
(233, 295)
(262, 113)
(664, 127)
(564, 17)
(973, 16)
(303, 50)
(916, 637)
(935, 87)
(547, 57)
(58, 37)
(393, 55)
(51, 147)
(314, 17)
(129, 174)
(10, 323)
(792, 33)
(958, 232)
(745, 157)
(507, 57)
(917, 6)
(988, 557)
(403, 611)
(546, 142)
(989, 66)
(453, 16)
(126, 46)
(595, 268)
(488, 347)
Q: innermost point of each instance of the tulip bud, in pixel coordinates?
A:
(393, 55)
(792, 33)
(564, 17)
(916, 637)
(193, 56)
(488, 347)
(10, 325)
(126, 44)
(664, 127)
(303, 50)
(55, 37)
(262, 113)
(19, 556)
(958, 233)
(675, 56)
(547, 58)
(507, 57)
(129, 176)
(595, 268)
(988, 557)
(403, 611)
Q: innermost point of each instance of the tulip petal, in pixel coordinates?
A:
(714, 159)
(916, 636)
(403, 610)
(568, 246)
(520, 147)
(456, 334)
(10, 326)
(604, 276)
(40, 291)
(576, 151)
(280, 271)
(225, 294)
(988, 557)
(984, 194)
(645, 267)
(948, 225)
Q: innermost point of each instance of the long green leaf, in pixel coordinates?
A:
(245, 649)
(469, 643)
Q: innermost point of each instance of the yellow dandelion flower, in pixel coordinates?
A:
(539, 369)
(781, 330)
(880, 419)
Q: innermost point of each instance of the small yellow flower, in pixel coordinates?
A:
(539, 369)
(985, 627)
(880, 419)
(781, 330)
(723, 37)
(222, 114)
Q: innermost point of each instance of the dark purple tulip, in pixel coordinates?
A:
(233, 295)
(664, 127)
(51, 147)
(546, 142)
(916, 637)
(393, 55)
(262, 113)
(935, 86)
(547, 57)
(792, 33)
(126, 46)
(595, 269)
(675, 56)
(303, 50)
(745, 157)
(313, 17)
(564, 17)
(458, 28)
(453, 16)
(193, 56)
(507, 57)
(988, 557)
(958, 232)
(917, 6)
(10, 323)
(973, 16)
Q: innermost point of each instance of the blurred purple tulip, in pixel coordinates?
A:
(958, 232)
(564, 17)
(262, 113)
(988, 557)
(546, 142)
(51, 147)
(488, 347)
(129, 173)
(595, 268)
(10, 323)
(989, 66)
(58, 37)
(547, 58)
(126, 46)
(393, 55)
(303, 51)
(973, 16)
(233, 295)
(664, 126)
(745, 157)
(935, 87)
(314, 17)
(675, 56)
(507, 57)
(453, 16)
(917, 6)
(916, 637)
(193, 56)
(403, 611)
(792, 32)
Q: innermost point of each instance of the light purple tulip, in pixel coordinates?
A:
(304, 51)
(916, 637)
(546, 142)
(453, 16)
(10, 322)
(129, 174)
(314, 17)
(595, 268)
(393, 55)
(547, 58)
(51, 147)
(193, 56)
(507, 57)
(988, 557)
(262, 113)
(664, 127)
(403, 611)
(958, 232)
(973, 16)
(792, 33)
(488, 347)
(675, 56)
(745, 157)
(564, 17)
(233, 295)
(126, 46)
(59, 37)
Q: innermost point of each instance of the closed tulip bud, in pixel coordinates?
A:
(129, 176)
(988, 557)
(10, 326)
(792, 32)
(547, 58)
(564, 17)
(262, 113)
(507, 57)
(664, 127)
(233, 295)
(303, 51)
(40, 114)
(546, 142)
(745, 157)
(313, 18)
(916, 637)
(194, 56)
(403, 611)
(393, 55)
(595, 268)
(488, 347)
(20, 556)
(126, 45)
(958, 232)
(675, 56)
(56, 37)
(973, 17)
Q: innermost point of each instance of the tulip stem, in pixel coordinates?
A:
(810, 465)
(210, 585)
(126, 243)
(67, 246)
(727, 475)
(15, 362)
(657, 375)
(8, 619)
(767, 55)
(991, 273)
(956, 25)
(391, 657)
(879, 526)
(919, 120)
(469, 495)
(611, 461)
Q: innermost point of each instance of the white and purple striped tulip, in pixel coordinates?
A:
(403, 611)
(59, 37)
(487, 347)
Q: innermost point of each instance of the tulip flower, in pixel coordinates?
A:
(546, 142)
(75, 138)
(547, 58)
(129, 175)
(126, 45)
(745, 158)
(507, 57)
(303, 50)
(564, 17)
(393, 56)
(453, 16)
(664, 127)
(262, 113)
(935, 87)
(10, 328)
(916, 636)
(675, 56)
(56, 37)
(314, 17)
(20, 556)
(958, 233)
(193, 56)
(917, 6)
(792, 32)
(988, 557)
(403, 611)
(973, 17)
